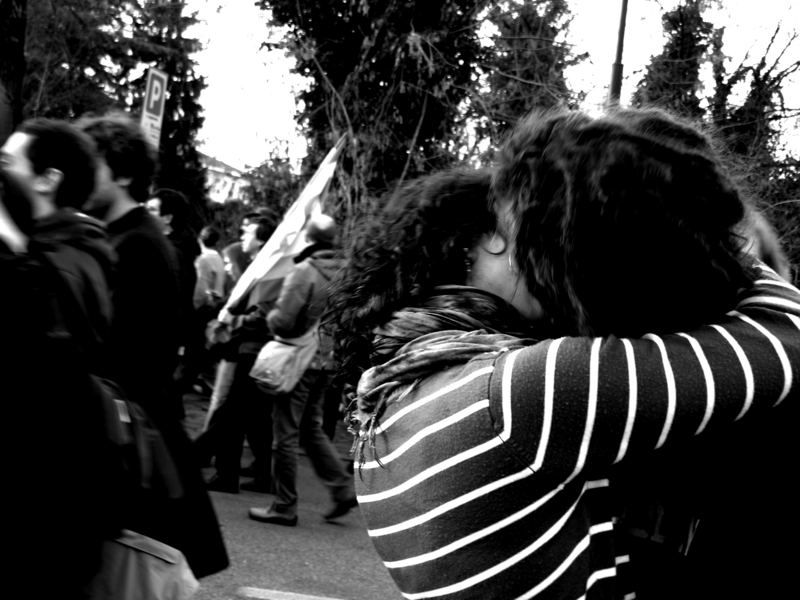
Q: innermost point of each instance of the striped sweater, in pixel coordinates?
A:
(491, 478)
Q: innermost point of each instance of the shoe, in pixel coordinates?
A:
(256, 485)
(269, 515)
(220, 484)
(341, 509)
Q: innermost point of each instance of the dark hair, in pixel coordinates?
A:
(416, 238)
(175, 204)
(209, 236)
(625, 223)
(238, 258)
(121, 142)
(264, 228)
(59, 145)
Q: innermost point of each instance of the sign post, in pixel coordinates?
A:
(153, 108)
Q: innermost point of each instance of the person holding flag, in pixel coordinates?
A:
(250, 300)
(246, 409)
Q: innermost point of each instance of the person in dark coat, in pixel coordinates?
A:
(145, 331)
(171, 210)
(55, 263)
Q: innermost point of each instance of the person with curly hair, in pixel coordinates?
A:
(488, 461)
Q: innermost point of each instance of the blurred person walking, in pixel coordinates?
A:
(145, 331)
(235, 261)
(209, 294)
(246, 409)
(171, 209)
(55, 262)
(297, 416)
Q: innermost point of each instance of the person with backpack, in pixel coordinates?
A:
(145, 332)
(297, 416)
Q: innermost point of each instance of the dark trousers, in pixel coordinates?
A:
(246, 412)
(297, 419)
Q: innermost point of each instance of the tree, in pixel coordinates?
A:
(160, 39)
(745, 124)
(750, 133)
(672, 79)
(87, 56)
(526, 65)
(392, 74)
(273, 185)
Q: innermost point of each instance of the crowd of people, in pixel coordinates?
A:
(571, 374)
(95, 293)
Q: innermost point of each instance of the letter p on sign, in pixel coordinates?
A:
(153, 109)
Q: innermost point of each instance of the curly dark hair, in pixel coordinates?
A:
(625, 223)
(417, 238)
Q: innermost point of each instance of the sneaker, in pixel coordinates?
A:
(341, 509)
(269, 515)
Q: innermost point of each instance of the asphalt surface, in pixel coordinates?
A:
(316, 560)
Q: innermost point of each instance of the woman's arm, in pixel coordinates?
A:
(578, 404)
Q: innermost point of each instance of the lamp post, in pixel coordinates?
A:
(616, 69)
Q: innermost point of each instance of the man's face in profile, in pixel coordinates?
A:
(18, 180)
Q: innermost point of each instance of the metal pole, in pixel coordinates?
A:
(616, 69)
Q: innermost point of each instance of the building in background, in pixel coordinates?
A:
(224, 181)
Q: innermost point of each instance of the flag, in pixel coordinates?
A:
(275, 259)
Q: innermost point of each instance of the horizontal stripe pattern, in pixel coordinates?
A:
(494, 479)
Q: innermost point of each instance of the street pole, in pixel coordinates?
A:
(616, 69)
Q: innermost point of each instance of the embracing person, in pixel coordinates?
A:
(487, 462)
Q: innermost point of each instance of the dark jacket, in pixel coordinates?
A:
(145, 330)
(77, 247)
(144, 345)
(54, 436)
(249, 331)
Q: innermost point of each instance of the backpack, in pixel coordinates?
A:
(144, 460)
(140, 458)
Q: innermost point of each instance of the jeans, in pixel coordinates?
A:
(297, 418)
(246, 411)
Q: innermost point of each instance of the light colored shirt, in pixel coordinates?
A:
(210, 277)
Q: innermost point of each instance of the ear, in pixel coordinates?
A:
(47, 183)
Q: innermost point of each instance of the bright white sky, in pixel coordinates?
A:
(249, 103)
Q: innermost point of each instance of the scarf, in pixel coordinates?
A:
(451, 327)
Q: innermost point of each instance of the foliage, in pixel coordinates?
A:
(747, 129)
(160, 35)
(391, 74)
(750, 134)
(273, 186)
(86, 56)
(672, 79)
(412, 84)
(526, 65)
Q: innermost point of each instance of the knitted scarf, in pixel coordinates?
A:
(452, 326)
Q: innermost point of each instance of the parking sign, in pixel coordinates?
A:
(153, 108)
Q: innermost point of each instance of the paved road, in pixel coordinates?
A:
(315, 560)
